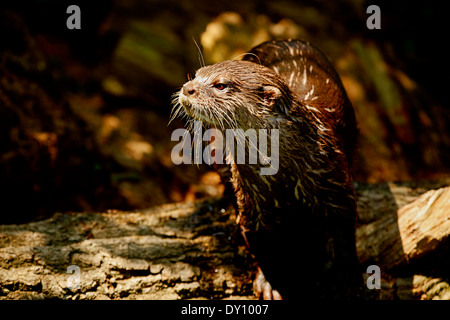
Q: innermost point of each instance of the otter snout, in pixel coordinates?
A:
(189, 89)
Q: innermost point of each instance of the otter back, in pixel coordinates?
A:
(313, 79)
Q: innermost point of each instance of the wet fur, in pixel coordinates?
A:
(308, 209)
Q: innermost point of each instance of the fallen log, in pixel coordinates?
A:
(418, 229)
(191, 250)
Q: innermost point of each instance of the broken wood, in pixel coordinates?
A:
(191, 250)
(417, 230)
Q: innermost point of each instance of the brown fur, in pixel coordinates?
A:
(312, 191)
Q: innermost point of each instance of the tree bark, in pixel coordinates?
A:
(193, 250)
(417, 230)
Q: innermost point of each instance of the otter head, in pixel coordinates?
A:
(234, 94)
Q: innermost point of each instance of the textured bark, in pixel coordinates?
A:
(417, 230)
(193, 250)
(168, 252)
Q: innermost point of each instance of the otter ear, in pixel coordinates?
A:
(271, 94)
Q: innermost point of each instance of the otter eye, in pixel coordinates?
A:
(220, 86)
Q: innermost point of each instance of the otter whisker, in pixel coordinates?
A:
(173, 114)
(200, 54)
(217, 119)
(223, 117)
(176, 111)
(175, 103)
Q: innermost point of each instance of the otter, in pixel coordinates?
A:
(299, 223)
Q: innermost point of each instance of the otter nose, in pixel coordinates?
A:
(188, 88)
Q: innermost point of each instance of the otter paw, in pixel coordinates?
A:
(262, 288)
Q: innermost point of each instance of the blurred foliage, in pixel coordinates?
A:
(83, 113)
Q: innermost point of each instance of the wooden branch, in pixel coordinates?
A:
(174, 251)
(189, 250)
(418, 229)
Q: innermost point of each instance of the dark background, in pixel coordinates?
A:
(84, 113)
